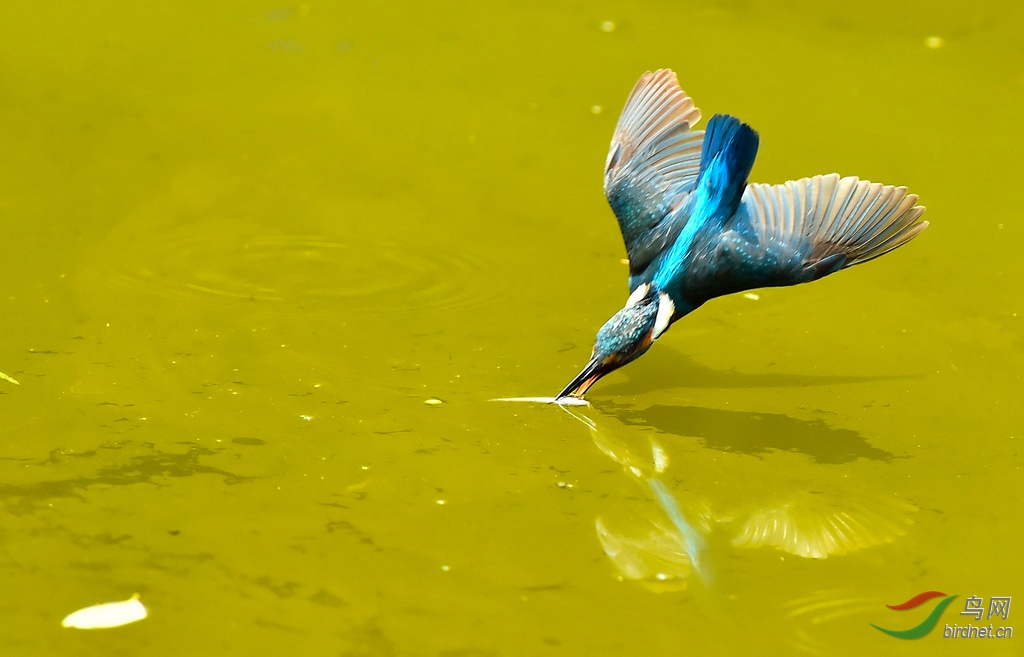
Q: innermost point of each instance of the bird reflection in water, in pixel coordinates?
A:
(672, 548)
(673, 544)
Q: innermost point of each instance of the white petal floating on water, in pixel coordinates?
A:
(561, 401)
(108, 614)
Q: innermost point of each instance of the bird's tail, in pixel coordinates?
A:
(726, 159)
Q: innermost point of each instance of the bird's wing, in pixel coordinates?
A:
(802, 230)
(652, 165)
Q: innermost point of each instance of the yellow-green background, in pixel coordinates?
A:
(243, 242)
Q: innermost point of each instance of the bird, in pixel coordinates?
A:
(695, 228)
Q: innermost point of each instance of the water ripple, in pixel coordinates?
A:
(305, 272)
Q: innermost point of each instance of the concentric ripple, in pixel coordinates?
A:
(220, 264)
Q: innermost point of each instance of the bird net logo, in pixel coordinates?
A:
(998, 608)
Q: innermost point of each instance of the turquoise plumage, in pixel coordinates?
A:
(694, 229)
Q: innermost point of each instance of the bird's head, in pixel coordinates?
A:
(625, 337)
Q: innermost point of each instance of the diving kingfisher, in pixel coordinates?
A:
(695, 230)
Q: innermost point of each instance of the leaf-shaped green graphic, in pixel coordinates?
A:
(926, 625)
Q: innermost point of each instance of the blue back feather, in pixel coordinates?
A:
(727, 157)
(730, 148)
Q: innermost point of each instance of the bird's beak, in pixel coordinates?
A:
(594, 370)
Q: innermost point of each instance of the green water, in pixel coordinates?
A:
(244, 243)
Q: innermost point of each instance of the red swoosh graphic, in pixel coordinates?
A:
(916, 600)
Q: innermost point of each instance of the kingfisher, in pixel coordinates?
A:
(695, 229)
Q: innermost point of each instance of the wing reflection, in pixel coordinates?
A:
(668, 552)
(656, 556)
(663, 540)
(813, 527)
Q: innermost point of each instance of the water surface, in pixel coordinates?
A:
(246, 243)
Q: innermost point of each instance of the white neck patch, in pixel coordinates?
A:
(639, 293)
(665, 311)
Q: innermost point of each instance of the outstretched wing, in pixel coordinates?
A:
(652, 165)
(802, 230)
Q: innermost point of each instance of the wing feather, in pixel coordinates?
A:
(805, 229)
(652, 165)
